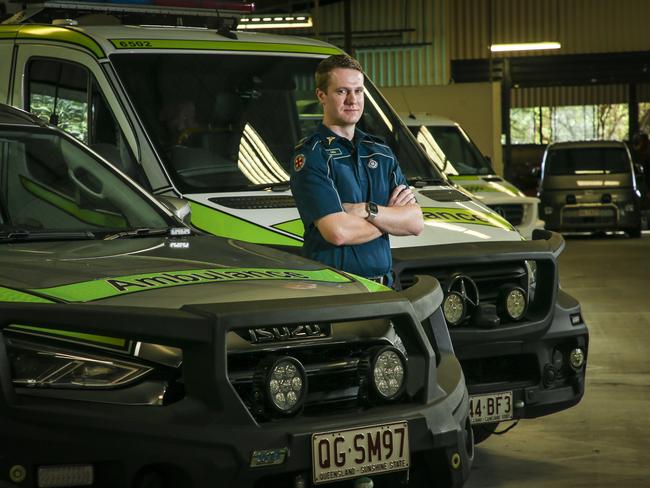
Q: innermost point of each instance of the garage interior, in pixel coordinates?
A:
(433, 56)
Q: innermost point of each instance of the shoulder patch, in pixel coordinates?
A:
(299, 161)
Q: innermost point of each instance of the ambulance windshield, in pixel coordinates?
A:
(229, 122)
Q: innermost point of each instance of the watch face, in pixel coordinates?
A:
(372, 208)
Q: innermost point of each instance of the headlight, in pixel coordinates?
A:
(388, 373)
(42, 366)
(453, 308)
(284, 382)
(513, 303)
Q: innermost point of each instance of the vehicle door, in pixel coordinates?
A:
(68, 88)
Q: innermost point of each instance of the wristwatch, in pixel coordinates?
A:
(372, 209)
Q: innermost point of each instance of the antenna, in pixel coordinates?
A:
(406, 102)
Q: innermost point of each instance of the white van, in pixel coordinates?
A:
(212, 116)
(451, 149)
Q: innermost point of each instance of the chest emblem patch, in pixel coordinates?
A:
(330, 139)
(299, 162)
(372, 164)
(334, 151)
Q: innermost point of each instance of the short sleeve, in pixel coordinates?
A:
(397, 176)
(313, 187)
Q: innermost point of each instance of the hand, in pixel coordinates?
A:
(356, 209)
(402, 195)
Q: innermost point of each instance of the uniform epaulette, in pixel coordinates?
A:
(305, 140)
(376, 139)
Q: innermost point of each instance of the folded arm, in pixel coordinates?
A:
(401, 217)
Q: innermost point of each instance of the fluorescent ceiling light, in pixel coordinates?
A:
(524, 46)
(275, 22)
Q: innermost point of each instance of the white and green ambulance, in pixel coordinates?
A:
(455, 154)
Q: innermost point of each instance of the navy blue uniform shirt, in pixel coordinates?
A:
(329, 170)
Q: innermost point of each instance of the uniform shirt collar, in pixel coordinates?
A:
(326, 133)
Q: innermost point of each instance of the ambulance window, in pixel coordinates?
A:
(68, 96)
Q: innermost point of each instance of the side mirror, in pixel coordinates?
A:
(638, 169)
(179, 207)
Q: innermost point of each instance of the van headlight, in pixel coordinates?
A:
(38, 366)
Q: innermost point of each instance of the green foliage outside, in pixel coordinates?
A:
(542, 125)
(72, 114)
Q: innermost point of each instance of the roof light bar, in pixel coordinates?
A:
(524, 46)
(275, 21)
(144, 12)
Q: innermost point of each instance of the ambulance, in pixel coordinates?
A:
(456, 155)
(191, 105)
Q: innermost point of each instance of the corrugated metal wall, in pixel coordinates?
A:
(398, 42)
(581, 26)
(556, 96)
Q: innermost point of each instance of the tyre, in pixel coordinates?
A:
(634, 233)
(483, 431)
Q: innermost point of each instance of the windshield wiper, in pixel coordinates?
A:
(146, 232)
(17, 235)
(281, 186)
(422, 181)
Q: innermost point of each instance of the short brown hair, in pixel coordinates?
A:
(327, 65)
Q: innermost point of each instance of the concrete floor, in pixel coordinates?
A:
(604, 441)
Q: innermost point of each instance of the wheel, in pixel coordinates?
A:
(634, 233)
(483, 431)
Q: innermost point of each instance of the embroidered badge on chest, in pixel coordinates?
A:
(330, 139)
(372, 164)
(299, 162)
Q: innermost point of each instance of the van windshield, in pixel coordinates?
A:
(229, 122)
(452, 150)
(586, 161)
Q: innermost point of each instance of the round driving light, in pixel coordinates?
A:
(454, 308)
(514, 303)
(284, 383)
(388, 371)
(577, 358)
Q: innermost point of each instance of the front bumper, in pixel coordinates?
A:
(539, 387)
(207, 437)
(590, 216)
(517, 357)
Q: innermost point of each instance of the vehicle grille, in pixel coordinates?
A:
(513, 213)
(589, 216)
(256, 202)
(332, 377)
(445, 195)
(517, 368)
(490, 279)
